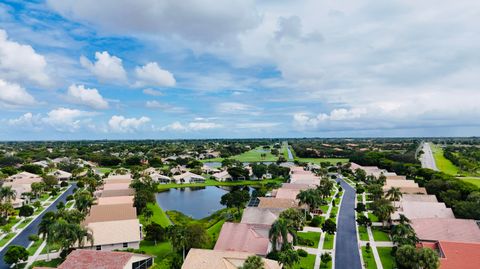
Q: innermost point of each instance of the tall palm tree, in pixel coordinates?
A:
(45, 229)
(178, 236)
(7, 194)
(309, 197)
(83, 201)
(403, 234)
(383, 209)
(280, 231)
(325, 187)
(394, 194)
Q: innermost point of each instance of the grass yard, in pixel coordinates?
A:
(324, 208)
(24, 223)
(380, 235)
(313, 236)
(305, 262)
(372, 217)
(52, 263)
(321, 160)
(6, 239)
(443, 164)
(254, 155)
(328, 242)
(388, 261)
(211, 182)
(474, 180)
(363, 234)
(104, 170)
(368, 259)
(159, 216)
(33, 248)
(159, 251)
(214, 231)
(51, 248)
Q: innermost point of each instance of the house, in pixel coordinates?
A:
(90, 259)
(61, 175)
(119, 192)
(256, 215)
(115, 200)
(178, 169)
(112, 178)
(222, 176)
(287, 193)
(220, 259)
(416, 210)
(23, 178)
(111, 235)
(455, 255)
(21, 184)
(157, 177)
(419, 198)
(441, 229)
(300, 176)
(244, 237)
(43, 164)
(406, 186)
(298, 186)
(269, 202)
(188, 177)
(209, 170)
(112, 212)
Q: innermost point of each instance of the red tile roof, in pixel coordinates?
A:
(91, 259)
(456, 255)
(244, 237)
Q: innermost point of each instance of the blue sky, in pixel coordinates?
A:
(121, 69)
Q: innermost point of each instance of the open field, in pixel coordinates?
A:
(474, 180)
(443, 164)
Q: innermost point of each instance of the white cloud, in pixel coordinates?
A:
(257, 125)
(204, 21)
(12, 95)
(164, 106)
(152, 92)
(235, 108)
(120, 124)
(195, 125)
(20, 62)
(27, 121)
(152, 74)
(66, 119)
(107, 68)
(84, 96)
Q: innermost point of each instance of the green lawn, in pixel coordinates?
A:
(363, 234)
(443, 164)
(334, 210)
(328, 242)
(305, 262)
(52, 263)
(104, 170)
(254, 155)
(380, 235)
(368, 259)
(321, 160)
(33, 248)
(313, 236)
(474, 180)
(388, 261)
(211, 182)
(159, 216)
(24, 223)
(6, 239)
(372, 217)
(159, 251)
(214, 231)
(51, 248)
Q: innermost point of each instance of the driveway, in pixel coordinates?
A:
(347, 254)
(32, 228)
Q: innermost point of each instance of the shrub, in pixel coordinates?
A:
(309, 217)
(316, 221)
(64, 184)
(26, 211)
(70, 197)
(302, 253)
(33, 237)
(305, 242)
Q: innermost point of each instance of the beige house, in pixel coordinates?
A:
(83, 259)
(111, 235)
(115, 200)
(416, 210)
(21, 183)
(61, 175)
(255, 215)
(222, 176)
(188, 177)
(219, 259)
(406, 186)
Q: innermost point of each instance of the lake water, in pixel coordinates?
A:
(194, 202)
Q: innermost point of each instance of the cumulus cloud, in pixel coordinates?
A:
(152, 92)
(152, 74)
(27, 121)
(196, 125)
(90, 97)
(66, 119)
(20, 62)
(13, 95)
(107, 68)
(120, 124)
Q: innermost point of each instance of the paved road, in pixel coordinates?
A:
(32, 228)
(347, 254)
(290, 155)
(427, 159)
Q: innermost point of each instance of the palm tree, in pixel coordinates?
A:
(403, 234)
(325, 187)
(7, 194)
(394, 194)
(383, 209)
(280, 231)
(178, 237)
(288, 257)
(253, 262)
(83, 201)
(309, 197)
(45, 230)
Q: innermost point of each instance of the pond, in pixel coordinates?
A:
(197, 202)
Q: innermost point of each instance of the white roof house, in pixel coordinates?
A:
(222, 176)
(188, 177)
(61, 175)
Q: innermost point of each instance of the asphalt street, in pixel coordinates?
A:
(32, 228)
(427, 159)
(347, 254)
